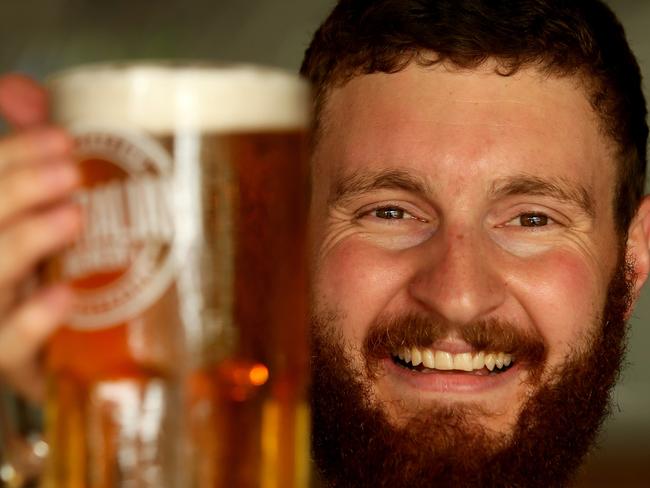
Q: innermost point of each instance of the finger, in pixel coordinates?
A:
(23, 102)
(28, 381)
(25, 243)
(36, 145)
(24, 333)
(32, 186)
(7, 300)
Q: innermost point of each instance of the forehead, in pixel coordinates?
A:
(448, 120)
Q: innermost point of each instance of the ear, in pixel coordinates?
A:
(638, 244)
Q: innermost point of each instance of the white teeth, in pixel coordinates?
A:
(445, 361)
(428, 358)
(478, 361)
(416, 356)
(498, 359)
(463, 362)
(490, 361)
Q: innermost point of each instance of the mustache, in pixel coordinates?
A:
(388, 335)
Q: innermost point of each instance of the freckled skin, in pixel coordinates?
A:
(461, 255)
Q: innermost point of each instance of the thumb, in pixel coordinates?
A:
(23, 102)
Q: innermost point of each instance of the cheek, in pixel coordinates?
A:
(563, 294)
(358, 282)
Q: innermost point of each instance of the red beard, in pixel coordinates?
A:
(355, 445)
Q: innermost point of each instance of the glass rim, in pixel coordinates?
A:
(179, 65)
(156, 95)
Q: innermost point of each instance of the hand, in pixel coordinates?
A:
(37, 175)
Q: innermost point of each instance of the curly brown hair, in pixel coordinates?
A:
(580, 38)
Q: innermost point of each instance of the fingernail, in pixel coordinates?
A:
(61, 175)
(55, 140)
(66, 219)
(57, 295)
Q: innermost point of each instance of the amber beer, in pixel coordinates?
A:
(185, 361)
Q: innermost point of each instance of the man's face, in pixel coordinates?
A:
(462, 219)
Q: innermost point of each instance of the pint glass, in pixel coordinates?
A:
(185, 360)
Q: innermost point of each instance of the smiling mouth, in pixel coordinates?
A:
(428, 360)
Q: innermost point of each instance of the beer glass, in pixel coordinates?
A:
(185, 360)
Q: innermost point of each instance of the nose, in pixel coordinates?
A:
(458, 280)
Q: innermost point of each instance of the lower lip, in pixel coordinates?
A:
(448, 382)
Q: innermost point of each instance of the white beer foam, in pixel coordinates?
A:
(164, 98)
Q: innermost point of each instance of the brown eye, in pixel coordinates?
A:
(533, 220)
(389, 213)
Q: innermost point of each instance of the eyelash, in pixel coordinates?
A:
(540, 216)
(543, 217)
(406, 215)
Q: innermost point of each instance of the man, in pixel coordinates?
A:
(480, 236)
(478, 174)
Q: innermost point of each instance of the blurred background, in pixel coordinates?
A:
(39, 36)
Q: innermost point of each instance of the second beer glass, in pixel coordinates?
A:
(185, 362)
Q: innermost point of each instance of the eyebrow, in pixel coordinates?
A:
(347, 186)
(557, 188)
